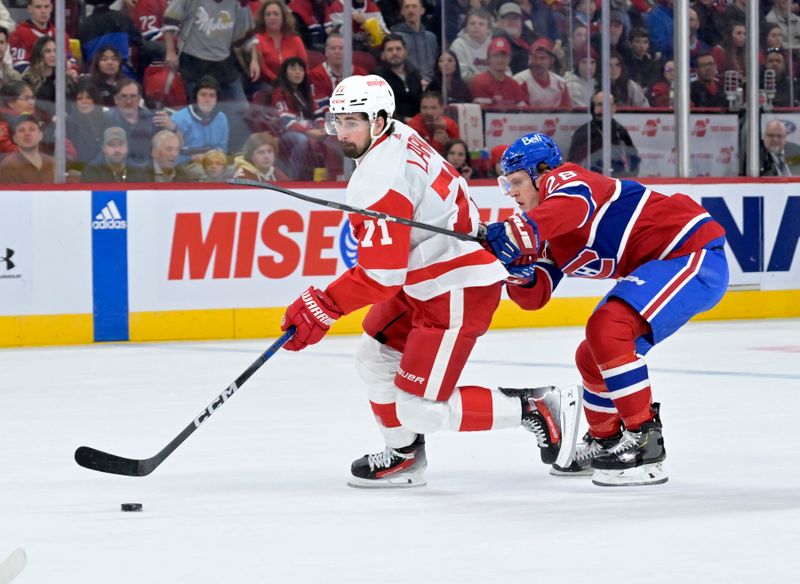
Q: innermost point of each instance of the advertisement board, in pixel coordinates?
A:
(714, 138)
(45, 253)
(240, 248)
(77, 266)
(16, 250)
(253, 248)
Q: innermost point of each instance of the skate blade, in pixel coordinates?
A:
(570, 420)
(648, 474)
(402, 481)
(587, 472)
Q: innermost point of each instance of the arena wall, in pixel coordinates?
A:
(156, 263)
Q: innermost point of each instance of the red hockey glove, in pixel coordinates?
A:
(312, 313)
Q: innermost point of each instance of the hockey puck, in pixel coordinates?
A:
(131, 506)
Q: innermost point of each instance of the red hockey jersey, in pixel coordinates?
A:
(148, 15)
(24, 37)
(599, 227)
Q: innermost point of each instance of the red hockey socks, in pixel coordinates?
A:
(618, 375)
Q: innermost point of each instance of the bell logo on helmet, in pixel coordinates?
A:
(532, 139)
(528, 152)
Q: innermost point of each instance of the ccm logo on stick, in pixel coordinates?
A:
(221, 399)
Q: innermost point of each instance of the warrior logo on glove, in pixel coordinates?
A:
(315, 310)
(312, 313)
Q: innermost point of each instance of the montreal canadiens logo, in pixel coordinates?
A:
(348, 246)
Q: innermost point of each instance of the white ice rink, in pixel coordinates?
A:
(257, 495)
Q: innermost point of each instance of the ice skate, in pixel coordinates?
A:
(587, 450)
(393, 468)
(552, 415)
(635, 460)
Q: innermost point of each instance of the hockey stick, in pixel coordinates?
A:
(247, 182)
(13, 565)
(111, 463)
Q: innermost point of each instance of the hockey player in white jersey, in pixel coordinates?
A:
(432, 296)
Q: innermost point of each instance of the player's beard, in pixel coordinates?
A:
(351, 150)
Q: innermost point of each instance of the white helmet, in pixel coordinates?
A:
(367, 94)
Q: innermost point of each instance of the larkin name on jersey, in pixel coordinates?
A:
(402, 175)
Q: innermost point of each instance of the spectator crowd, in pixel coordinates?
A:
(203, 90)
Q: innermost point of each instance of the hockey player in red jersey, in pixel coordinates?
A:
(432, 296)
(666, 253)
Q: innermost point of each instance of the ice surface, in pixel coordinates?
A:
(258, 495)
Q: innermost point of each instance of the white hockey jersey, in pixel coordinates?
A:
(402, 175)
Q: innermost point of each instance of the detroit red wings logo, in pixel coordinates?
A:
(725, 155)
(700, 128)
(550, 126)
(497, 127)
(651, 128)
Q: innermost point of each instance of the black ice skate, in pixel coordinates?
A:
(392, 468)
(635, 459)
(551, 413)
(587, 450)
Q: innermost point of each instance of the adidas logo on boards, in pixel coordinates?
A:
(109, 218)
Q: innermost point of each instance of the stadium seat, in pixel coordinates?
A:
(365, 60)
(75, 49)
(314, 58)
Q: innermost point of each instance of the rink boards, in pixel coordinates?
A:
(80, 266)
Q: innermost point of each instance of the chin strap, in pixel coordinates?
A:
(374, 137)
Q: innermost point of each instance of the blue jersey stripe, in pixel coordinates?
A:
(615, 220)
(554, 273)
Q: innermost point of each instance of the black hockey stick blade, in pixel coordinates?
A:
(247, 182)
(100, 461)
